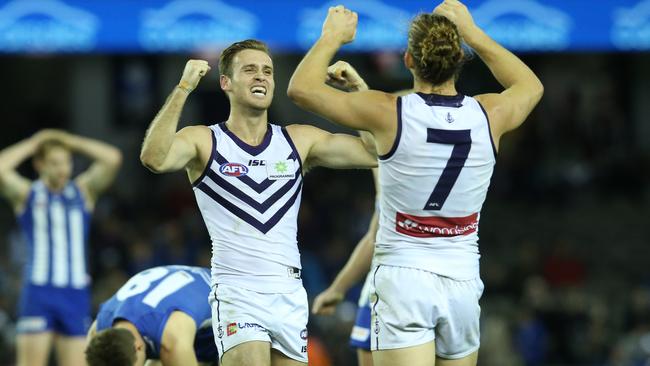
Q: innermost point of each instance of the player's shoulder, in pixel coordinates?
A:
(493, 103)
(304, 131)
(195, 131)
(497, 107)
(304, 136)
(199, 136)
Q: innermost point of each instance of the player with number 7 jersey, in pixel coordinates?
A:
(159, 314)
(436, 150)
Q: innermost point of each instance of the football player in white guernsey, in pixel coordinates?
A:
(54, 213)
(436, 150)
(247, 178)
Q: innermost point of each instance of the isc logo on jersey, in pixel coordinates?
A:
(233, 169)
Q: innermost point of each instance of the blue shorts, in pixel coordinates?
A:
(360, 337)
(205, 347)
(64, 311)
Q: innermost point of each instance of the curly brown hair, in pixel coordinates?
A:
(112, 347)
(435, 46)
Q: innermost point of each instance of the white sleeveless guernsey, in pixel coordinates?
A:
(249, 198)
(434, 182)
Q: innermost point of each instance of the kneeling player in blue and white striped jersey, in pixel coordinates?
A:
(161, 315)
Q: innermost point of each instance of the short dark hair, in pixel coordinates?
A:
(225, 60)
(111, 347)
(47, 145)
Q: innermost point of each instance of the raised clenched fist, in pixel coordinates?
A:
(340, 24)
(342, 75)
(194, 71)
(458, 13)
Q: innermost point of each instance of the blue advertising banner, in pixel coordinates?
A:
(153, 26)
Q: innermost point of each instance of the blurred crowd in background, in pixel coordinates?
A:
(565, 251)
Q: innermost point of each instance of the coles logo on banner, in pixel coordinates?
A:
(435, 227)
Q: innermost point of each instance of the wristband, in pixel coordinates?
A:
(184, 87)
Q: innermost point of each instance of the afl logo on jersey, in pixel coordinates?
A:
(233, 169)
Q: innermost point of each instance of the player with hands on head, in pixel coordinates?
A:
(54, 213)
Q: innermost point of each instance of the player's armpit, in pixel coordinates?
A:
(509, 109)
(501, 114)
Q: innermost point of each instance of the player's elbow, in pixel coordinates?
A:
(115, 158)
(3, 172)
(536, 91)
(293, 92)
(3, 177)
(298, 93)
(151, 162)
(5, 167)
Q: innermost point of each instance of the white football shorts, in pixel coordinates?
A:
(411, 307)
(240, 315)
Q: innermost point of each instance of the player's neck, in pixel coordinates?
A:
(250, 128)
(446, 88)
(51, 186)
(124, 324)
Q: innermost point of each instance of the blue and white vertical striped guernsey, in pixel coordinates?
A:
(249, 198)
(56, 228)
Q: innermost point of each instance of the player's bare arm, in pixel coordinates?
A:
(331, 150)
(107, 160)
(309, 90)
(523, 90)
(13, 186)
(177, 345)
(166, 150)
(91, 332)
(343, 76)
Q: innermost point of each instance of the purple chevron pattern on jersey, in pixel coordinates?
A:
(249, 198)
